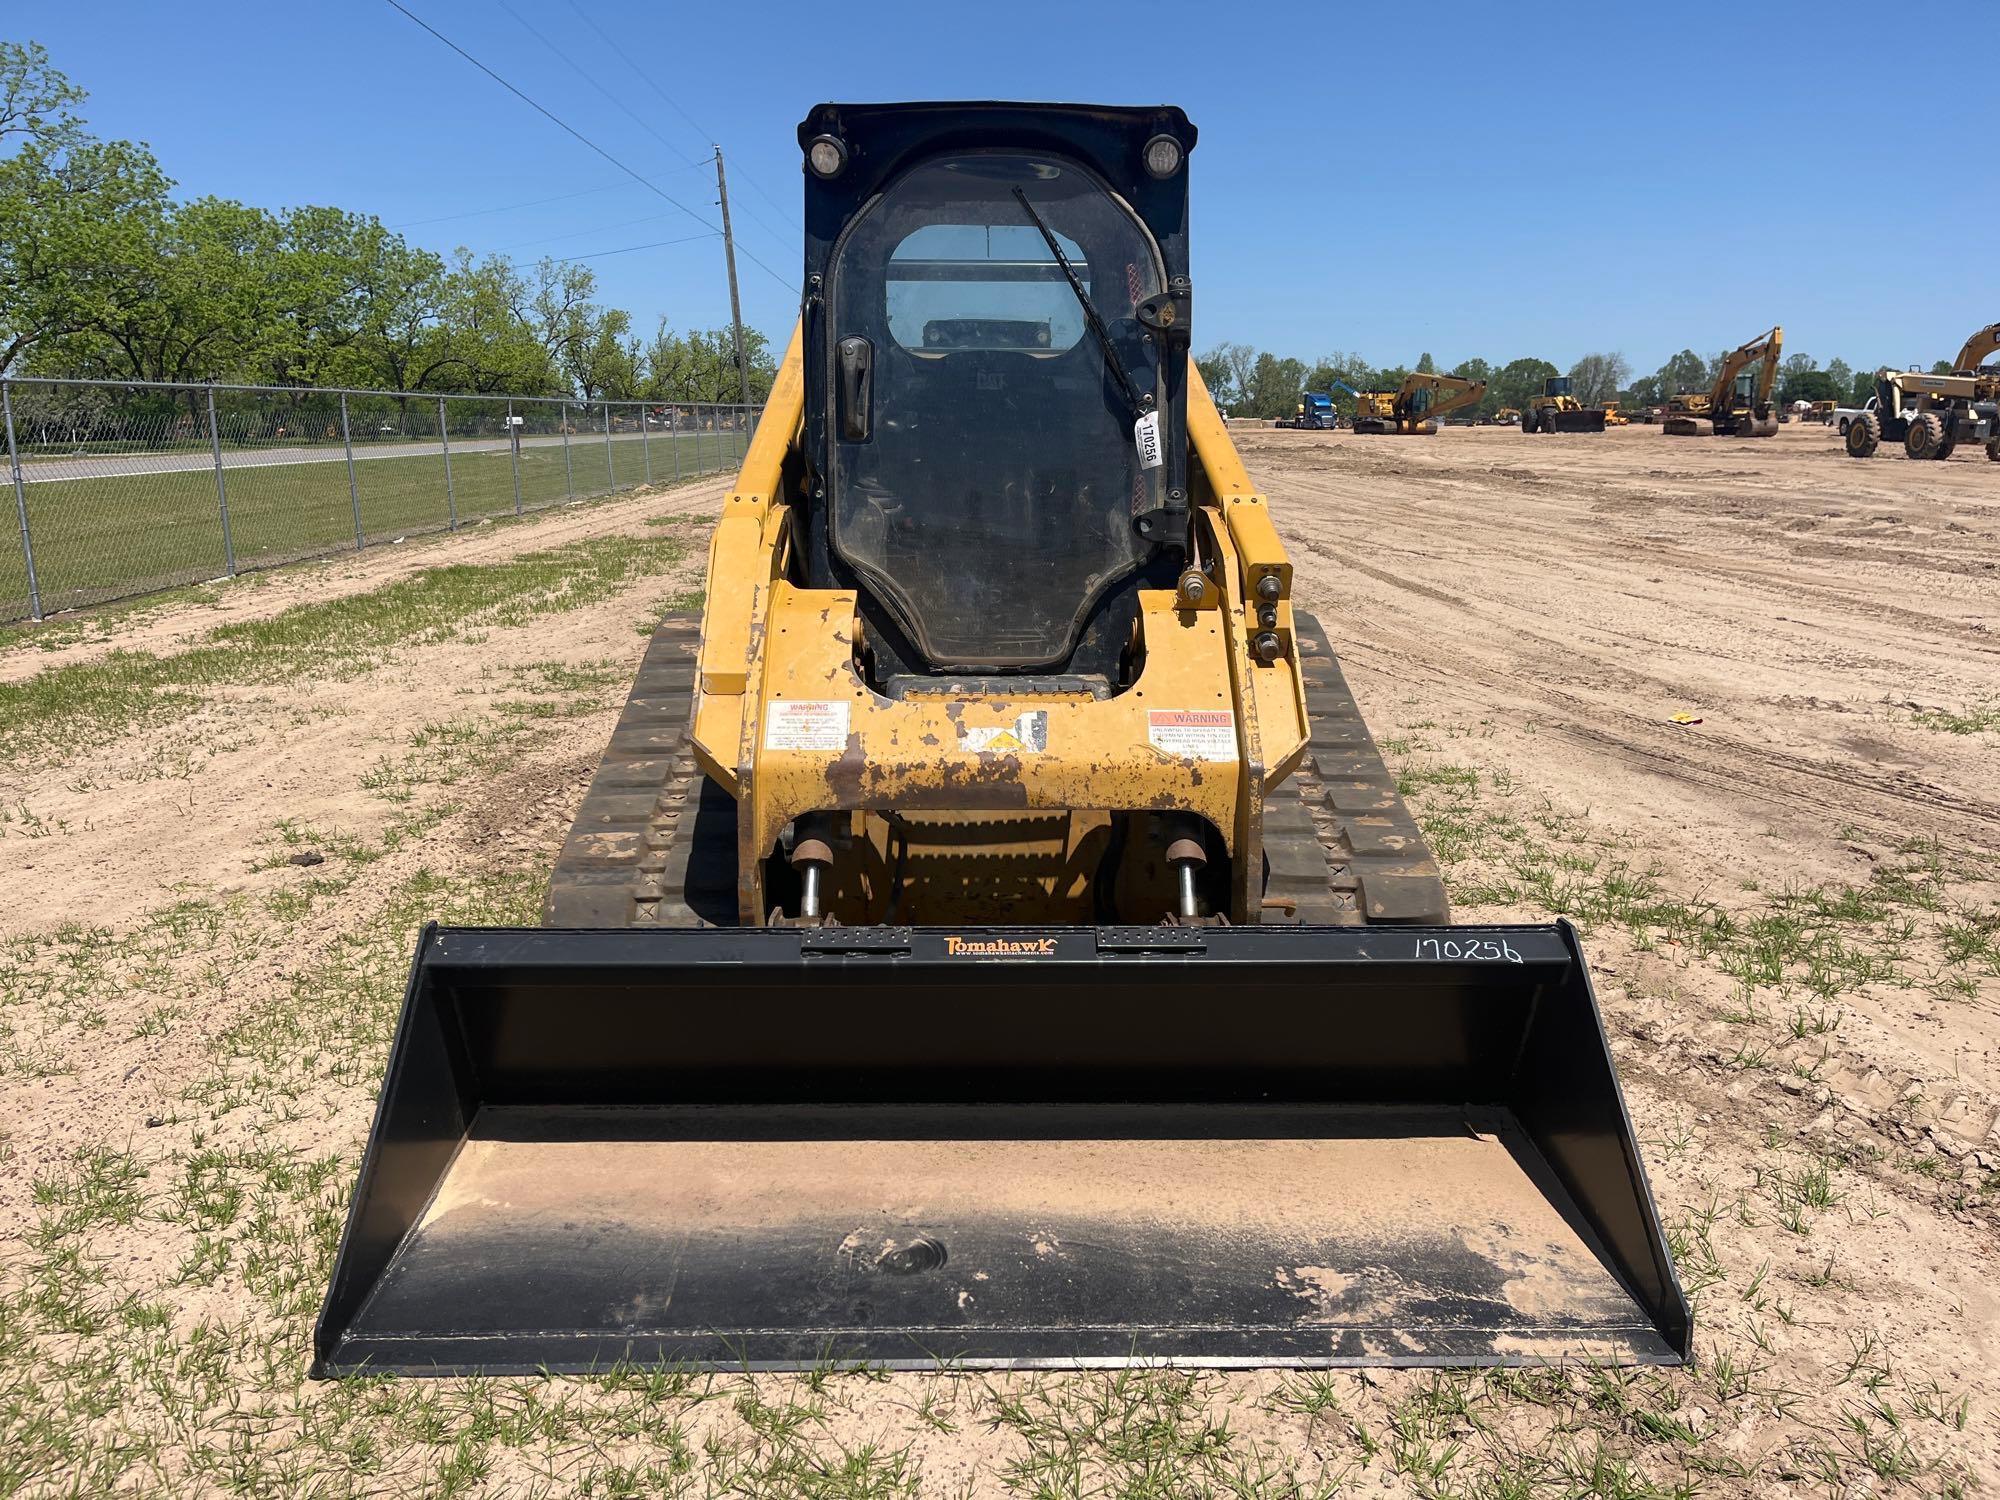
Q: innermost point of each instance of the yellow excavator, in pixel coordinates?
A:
(1933, 415)
(1414, 409)
(1738, 402)
(992, 937)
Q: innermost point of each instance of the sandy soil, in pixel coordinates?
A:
(1532, 609)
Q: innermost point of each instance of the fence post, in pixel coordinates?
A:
(221, 488)
(21, 503)
(353, 488)
(444, 440)
(514, 447)
(646, 439)
(569, 474)
(674, 431)
(610, 469)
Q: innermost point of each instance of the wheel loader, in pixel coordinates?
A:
(1558, 410)
(1414, 409)
(992, 937)
(1738, 401)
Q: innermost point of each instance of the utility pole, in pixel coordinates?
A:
(735, 304)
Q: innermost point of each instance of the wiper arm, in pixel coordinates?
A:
(1141, 404)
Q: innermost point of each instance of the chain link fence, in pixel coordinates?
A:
(125, 489)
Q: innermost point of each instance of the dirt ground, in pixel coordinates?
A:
(1733, 706)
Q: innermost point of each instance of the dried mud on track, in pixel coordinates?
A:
(1789, 907)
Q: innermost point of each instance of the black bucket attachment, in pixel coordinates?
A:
(1590, 419)
(776, 1148)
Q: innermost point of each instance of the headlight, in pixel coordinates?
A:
(826, 156)
(1163, 156)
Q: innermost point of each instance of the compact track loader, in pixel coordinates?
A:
(992, 935)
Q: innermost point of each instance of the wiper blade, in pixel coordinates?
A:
(1141, 404)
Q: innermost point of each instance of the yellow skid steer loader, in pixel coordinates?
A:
(992, 936)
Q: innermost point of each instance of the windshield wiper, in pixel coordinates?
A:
(1141, 404)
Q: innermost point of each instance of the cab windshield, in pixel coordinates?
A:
(991, 503)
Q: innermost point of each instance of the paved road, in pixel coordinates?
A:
(132, 465)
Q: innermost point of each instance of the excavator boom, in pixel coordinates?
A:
(1978, 349)
(1416, 406)
(1725, 411)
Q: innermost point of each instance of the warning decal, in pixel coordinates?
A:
(807, 724)
(1198, 733)
(1028, 733)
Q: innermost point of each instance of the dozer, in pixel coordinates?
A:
(992, 936)
(1414, 409)
(1558, 410)
(1738, 402)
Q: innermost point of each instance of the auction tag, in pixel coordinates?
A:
(1146, 438)
(806, 724)
(1197, 733)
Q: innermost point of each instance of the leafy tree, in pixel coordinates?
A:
(1812, 385)
(1686, 371)
(1218, 376)
(1425, 364)
(1862, 389)
(700, 365)
(1838, 372)
(1479, 369)
(34, 97)
(1644, 391)
(1941, 367)
(1596, 378)
(1520, 381)
(75, 213)
(1275, 385)
(1349, 369)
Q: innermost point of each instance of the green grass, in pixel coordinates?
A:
(1978, 718)
(54, 713)
(97, 539)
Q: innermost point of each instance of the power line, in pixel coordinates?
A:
(475, 213)
(579, 136)
(574, 234)
(628, 249)
(580, 72)
(647, 79)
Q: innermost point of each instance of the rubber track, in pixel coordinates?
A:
(1338, 840)
(654, 843)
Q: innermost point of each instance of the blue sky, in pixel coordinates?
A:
(1494, 180)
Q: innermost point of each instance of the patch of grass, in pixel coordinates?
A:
(48, 716)
(1978, 718)
(108, 535)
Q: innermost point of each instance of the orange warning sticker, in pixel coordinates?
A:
(1196, 733)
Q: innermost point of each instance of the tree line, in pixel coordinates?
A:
(1249, 382)
(104, 273)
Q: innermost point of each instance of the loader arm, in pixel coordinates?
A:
(1980, 347)
(1448, 393)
